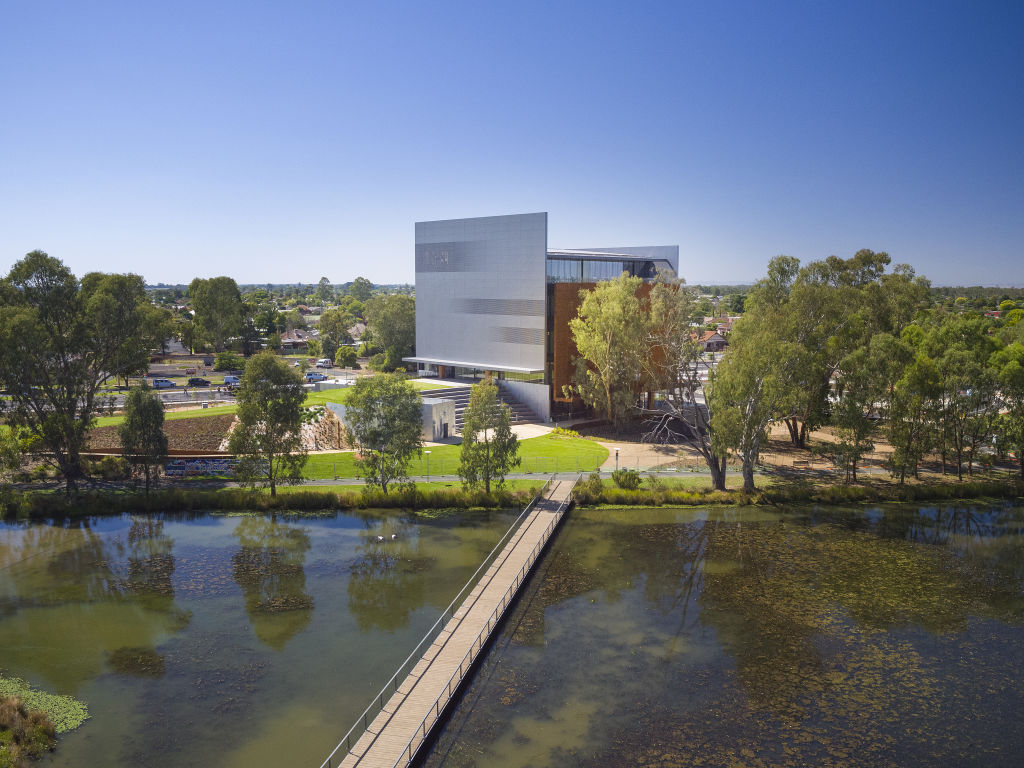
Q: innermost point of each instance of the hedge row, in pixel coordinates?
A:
(588, 494)
(48, 504)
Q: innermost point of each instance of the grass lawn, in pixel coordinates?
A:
(313, 398)
(191, 413)
(516, 484)
(542, 455)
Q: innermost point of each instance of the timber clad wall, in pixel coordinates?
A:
(567, 303)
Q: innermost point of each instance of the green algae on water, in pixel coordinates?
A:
(65, 712)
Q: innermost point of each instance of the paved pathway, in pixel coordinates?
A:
(409, 715)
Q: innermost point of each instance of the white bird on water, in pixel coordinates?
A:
(380, 538)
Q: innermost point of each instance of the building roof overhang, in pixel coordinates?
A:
(468, 364)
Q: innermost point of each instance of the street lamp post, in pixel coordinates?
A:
(428, 465)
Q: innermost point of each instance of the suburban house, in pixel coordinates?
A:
(294, 341)
(713, 341)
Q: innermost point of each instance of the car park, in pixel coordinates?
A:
(198, 382)
(163, 384)
(315, 376)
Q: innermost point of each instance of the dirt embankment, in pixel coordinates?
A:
(200, 434)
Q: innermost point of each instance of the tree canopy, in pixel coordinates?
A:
(218, 306)
(143, 441)
(267, 439)
(60, 340)
(383, 421)
(609, 337)
(391, 321)
(490, 450)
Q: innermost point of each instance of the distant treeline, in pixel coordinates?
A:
(722, 290)
(280, 287)
(990, 294)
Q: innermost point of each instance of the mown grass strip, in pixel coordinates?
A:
(541, 455)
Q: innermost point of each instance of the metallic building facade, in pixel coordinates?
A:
(480, 292)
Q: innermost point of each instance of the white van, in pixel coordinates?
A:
(325, 362)
(232, 380)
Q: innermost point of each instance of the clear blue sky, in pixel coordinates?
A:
(288, 140)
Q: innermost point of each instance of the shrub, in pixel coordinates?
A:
(23, 734)
(654, 482)
(627, 479)
(378, 362)
(228, 361)
(563, 432)
(345, 357)
(109, 468)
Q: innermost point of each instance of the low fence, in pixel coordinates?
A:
(201, 467)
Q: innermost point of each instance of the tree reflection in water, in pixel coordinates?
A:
(102, 600)
(269, 569)
(384, 584)
(888, 636)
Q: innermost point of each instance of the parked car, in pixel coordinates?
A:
(232, 380)
(315, 376)
(198, 382)
(163, 384)
(324, 362)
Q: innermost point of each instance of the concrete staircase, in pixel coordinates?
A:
(520, 413)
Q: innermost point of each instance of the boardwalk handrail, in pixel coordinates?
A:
(477, 645)
(378, 702)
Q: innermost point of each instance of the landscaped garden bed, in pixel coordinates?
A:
(202, 433)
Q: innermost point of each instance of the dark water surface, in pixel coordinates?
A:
(224, 640)
(892, 636)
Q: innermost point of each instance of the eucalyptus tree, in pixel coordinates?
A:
(143, 440)
(267, 439)
(490, 450)
(218, 309)
(853, 411)
(674, 366)
(785, 351)
(383, 422)
(610, 335)
(391, 321)
(1008, 363)
(333, 327)
(361, 289)
(61, 339)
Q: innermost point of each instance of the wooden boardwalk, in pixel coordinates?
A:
(407, 718)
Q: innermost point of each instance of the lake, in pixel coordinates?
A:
(887, 636)
(225, 639)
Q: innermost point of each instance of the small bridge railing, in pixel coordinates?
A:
(391, 686)
(474, 650)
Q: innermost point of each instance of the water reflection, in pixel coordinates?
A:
(385, 583)
(78, 597)
(269, 569)
(822, 637)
